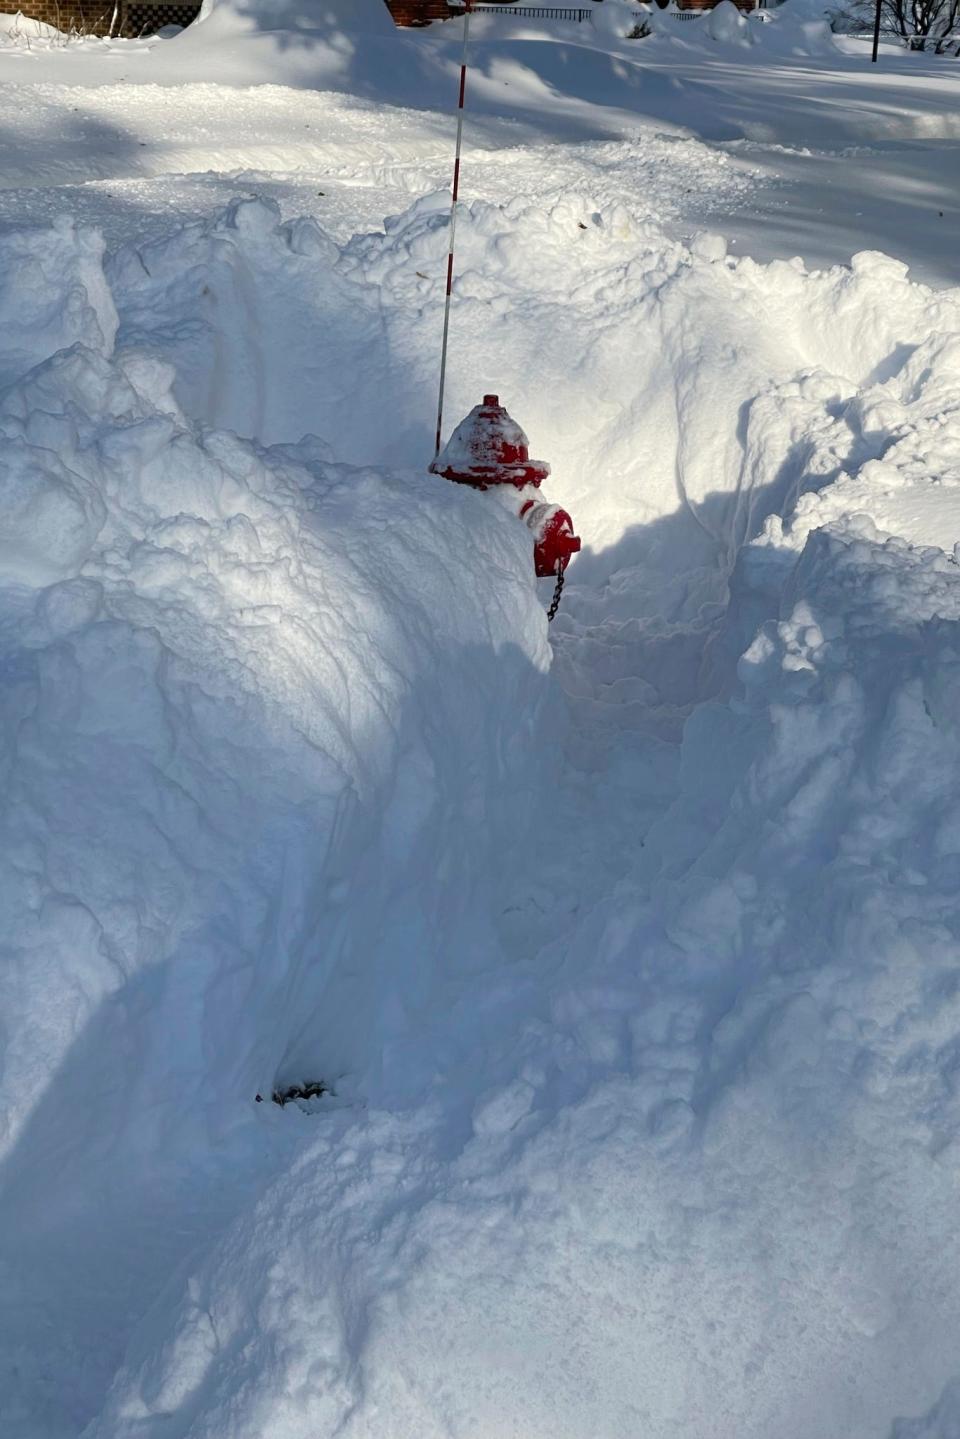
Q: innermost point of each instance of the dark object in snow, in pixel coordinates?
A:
(313, 1089)
(488, 450)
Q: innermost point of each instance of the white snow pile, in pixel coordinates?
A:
(801, 28)
(255, 703)
(724, 22)
(625, 1138)
(620, 346)
(714, 1170)
(620, 19)
(255, 647)
(52, 295)
(796, 27)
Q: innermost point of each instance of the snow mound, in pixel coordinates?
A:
(620, 19)
(768, 992)
(910, 485)
(53, 293)
(728, 25)
(800, 27)
(267, 322)
(255, 702)
(656, 1134)
(215, 607)
(714, 1170)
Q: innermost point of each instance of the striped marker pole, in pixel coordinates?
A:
(453, 222)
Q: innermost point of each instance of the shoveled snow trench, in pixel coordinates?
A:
(629, 953)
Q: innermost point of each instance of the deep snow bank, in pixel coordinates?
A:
(648, 373)
(256, 704)
(706, 1181)
(212, 611)
(627, 1139)
(688, 1163)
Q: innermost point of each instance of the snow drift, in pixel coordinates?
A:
(253, 708)
(689, 1184)
(641, 359)
(624, 1137)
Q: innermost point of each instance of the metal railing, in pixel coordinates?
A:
(675, 14)
(909, 42)
(536, 12)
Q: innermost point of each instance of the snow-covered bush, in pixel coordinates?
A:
(728, 24)
(623, 19)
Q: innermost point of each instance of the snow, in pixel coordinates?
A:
(843, 147)
(257, 651)
(627, 952)
(725, 24)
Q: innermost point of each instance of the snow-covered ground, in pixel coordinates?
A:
(628, 956)
(820, 148)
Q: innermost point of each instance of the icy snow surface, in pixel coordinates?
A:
(630, 960)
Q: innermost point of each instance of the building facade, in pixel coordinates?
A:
(145, 17)
(422, 12)
(106, 17)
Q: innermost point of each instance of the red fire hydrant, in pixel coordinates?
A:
(489, 451)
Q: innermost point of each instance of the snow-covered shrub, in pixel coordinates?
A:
(622, 19)
(728, 24)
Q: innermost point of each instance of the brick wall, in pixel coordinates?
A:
(421, 12)
(142, 17)
(105, 17)
(418, 12)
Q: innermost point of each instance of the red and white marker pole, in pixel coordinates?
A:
(453, 221)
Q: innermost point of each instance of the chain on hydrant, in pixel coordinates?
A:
(489, 451)
(555, 602)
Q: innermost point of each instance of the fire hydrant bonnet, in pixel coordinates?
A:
(489, 448)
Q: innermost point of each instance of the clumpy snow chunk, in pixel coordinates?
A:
(52, 293)
(51, 518)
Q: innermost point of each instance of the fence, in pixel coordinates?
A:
(536, 12)
(579, 15)
(552, 12)
(675, 14)
(909, 42)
